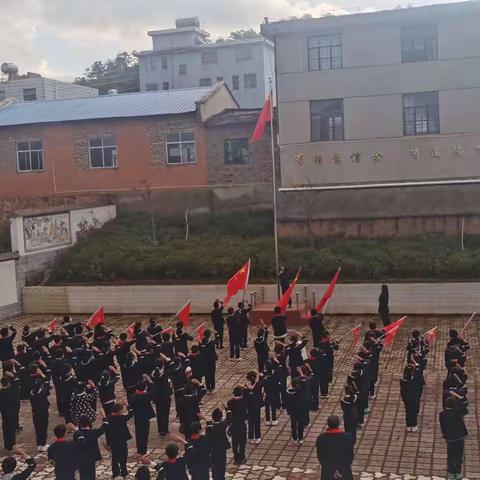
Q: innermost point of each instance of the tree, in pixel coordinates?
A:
(239, 35)
(123, 62)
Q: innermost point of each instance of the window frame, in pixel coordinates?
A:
(180, 144)
(102, 148)
(247, 85)
(329, 115)
(240, 53)
(243, 143)
(166, 84)
(426, 35)
(30, 90)
(211, 54)
(429, 118)
(207, 82)
(29, 151)
(319, 56)
(148, 87)
(235, 82)
(164, 62)
(182, 69)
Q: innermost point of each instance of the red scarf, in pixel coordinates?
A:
(171, 460)
(60, 440)
(140, 392)
(334, 430)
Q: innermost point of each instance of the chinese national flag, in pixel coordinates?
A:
(397, 323)
(263, 119)
(200, 333)
(283, 302)
(52, 325)
(238, 282)
(184, 314)
(328, 294)
(131, 331)
(390, 336)
(356, 334)
(97, 318)
(431, 335)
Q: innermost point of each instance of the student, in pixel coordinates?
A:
(83, 402)
(216, 433)
(234, 333)
(154, 331)
(161, 389)
(174, 467)
(143, 473)
(296, 411)
(67, 385)
(57, 368)
(210, 358)
(106, 389)
(329, 347)
(218, 322)
(261, 346)
(279, 327)
(9, 464)
(181, 339)
(40, 411)
(179, 381)
(316, 325)
(188, 409)
(383, 310)
(253, 394)
(455, 340)
(88, 451)
(197, 453)
(237, 416)
(141, 404)
(118, 435)
(319, 363)
(271, 384)
(197, 362)
(411, 393)
(132, 373)
(374, 348)
(350, 413)
(335, 451)
(279, 360)
(454, 432)
(244, 321)
(63, 454)
(9, 400)
(7, 335)
(294, 354)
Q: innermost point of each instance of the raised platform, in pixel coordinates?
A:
(264, 311)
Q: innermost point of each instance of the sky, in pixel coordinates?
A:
(61, 38)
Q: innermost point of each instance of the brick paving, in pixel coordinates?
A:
(384, 449)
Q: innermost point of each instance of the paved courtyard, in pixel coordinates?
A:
(384, 449)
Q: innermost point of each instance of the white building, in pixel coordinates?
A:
(183, 57)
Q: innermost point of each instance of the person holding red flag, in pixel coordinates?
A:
(284, 299)
(329, 292)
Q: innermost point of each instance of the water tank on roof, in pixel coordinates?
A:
(187, 22)
(113, 91)
(9, 69)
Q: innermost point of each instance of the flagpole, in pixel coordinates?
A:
(274, 181)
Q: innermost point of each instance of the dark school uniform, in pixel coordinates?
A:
(295, 359)
(244, 321)
(179, 380)
(297, 412)
(118, 435)
(280, 368)
(350, 415)
(141, 404)
(411, 393)
(253, 395)
(218, 323)
(172, 469)
(64, 454)
(197, 456)
(188, 410)
(262, 349)
(6, 347)
(155, 333)
(9, 400)
(216, 433)
(279, 327)
(210, 356)
(180, 341)
(88, 451)
(197, 364)
(271, 386)
(316, 325)
(329, 347)
(335, 454)
(40, 411)
(106, 392)
(161, 390)
(237, 416)
(234, 335)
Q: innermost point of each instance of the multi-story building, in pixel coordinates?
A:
(183, 57)
(386, 105)
(32, 86)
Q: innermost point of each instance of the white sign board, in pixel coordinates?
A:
(8, 283)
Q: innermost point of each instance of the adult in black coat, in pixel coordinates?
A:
(284, 279)
(335, 451)
(118, 435)
(234, 333)
(383, 309)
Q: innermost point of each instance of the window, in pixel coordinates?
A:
(250, 81)
(209, 57)
(236, 151)
(235, 82)
(244, 52)
(219, 79)
(103, 152)
(29, 94)
(205, 82)
(420, 113)
(419, 43)
(29, 156)
(151, 87)
(166, 86)
(182, 69)
(153, 65)
(325, 52)
(326, 119)
(164, 62)
(180, 148)
(2, 95)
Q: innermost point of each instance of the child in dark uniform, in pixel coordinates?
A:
(253, 393)
(261, 346)
(40, 411)
(217, 438)
(63, 454)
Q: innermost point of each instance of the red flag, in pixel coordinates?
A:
(168, 330)
(284, 299)
(431, 335)
(265, 116)
(328, 294)
(184, 314)
(131, 331)
(200, 332)
(397, 323)
(238, 282)
(356, 334)
(390, 336)
(52, 325)
(97, 318)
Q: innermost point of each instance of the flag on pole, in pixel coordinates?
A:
(397, 323)
(390, 336)
(431, 335)
(238, 282)
(201, 332)
(97, 318)
(284, 299)
(168, 330)
(356, 334)
(131, 331)
(52, 325)
(184, 314)
(263, 119)
(328, 294)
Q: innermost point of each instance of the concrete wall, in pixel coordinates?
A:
(407, 298)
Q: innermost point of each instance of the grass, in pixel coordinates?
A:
(218, 244)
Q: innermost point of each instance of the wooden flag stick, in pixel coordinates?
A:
(466, 325)
(200, 326)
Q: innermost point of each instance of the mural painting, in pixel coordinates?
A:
(47, 231)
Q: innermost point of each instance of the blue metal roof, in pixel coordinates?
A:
(127, 105)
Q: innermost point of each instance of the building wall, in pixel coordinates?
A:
(262, 64)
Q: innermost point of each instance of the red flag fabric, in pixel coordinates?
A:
(431, 335)
(131, 331)
(184, 314)
(284, 299)
(390, 336)
(97, 318)
(52, 325)
(356, 334)
(168, 330)
(238, 282)
(264, 117)
(397, 323)
(200, 332)
(329, 292)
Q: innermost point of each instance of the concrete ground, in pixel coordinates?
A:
(384, 449)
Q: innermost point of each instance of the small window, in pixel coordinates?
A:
(151, 87)
(164, 62)
(243, 53)
(420, 113)
(419, 43)
(103, 152)
(235, 82)
(182, 69)
(209, 57)
(29, 94)
(219, 79)
(250, 81)
(326, 120)
(325, 52)
(2, 95)
(205, 82)
(236, 151)
(29, 156)
(153, 64)
(166, 86)
(180, 148)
